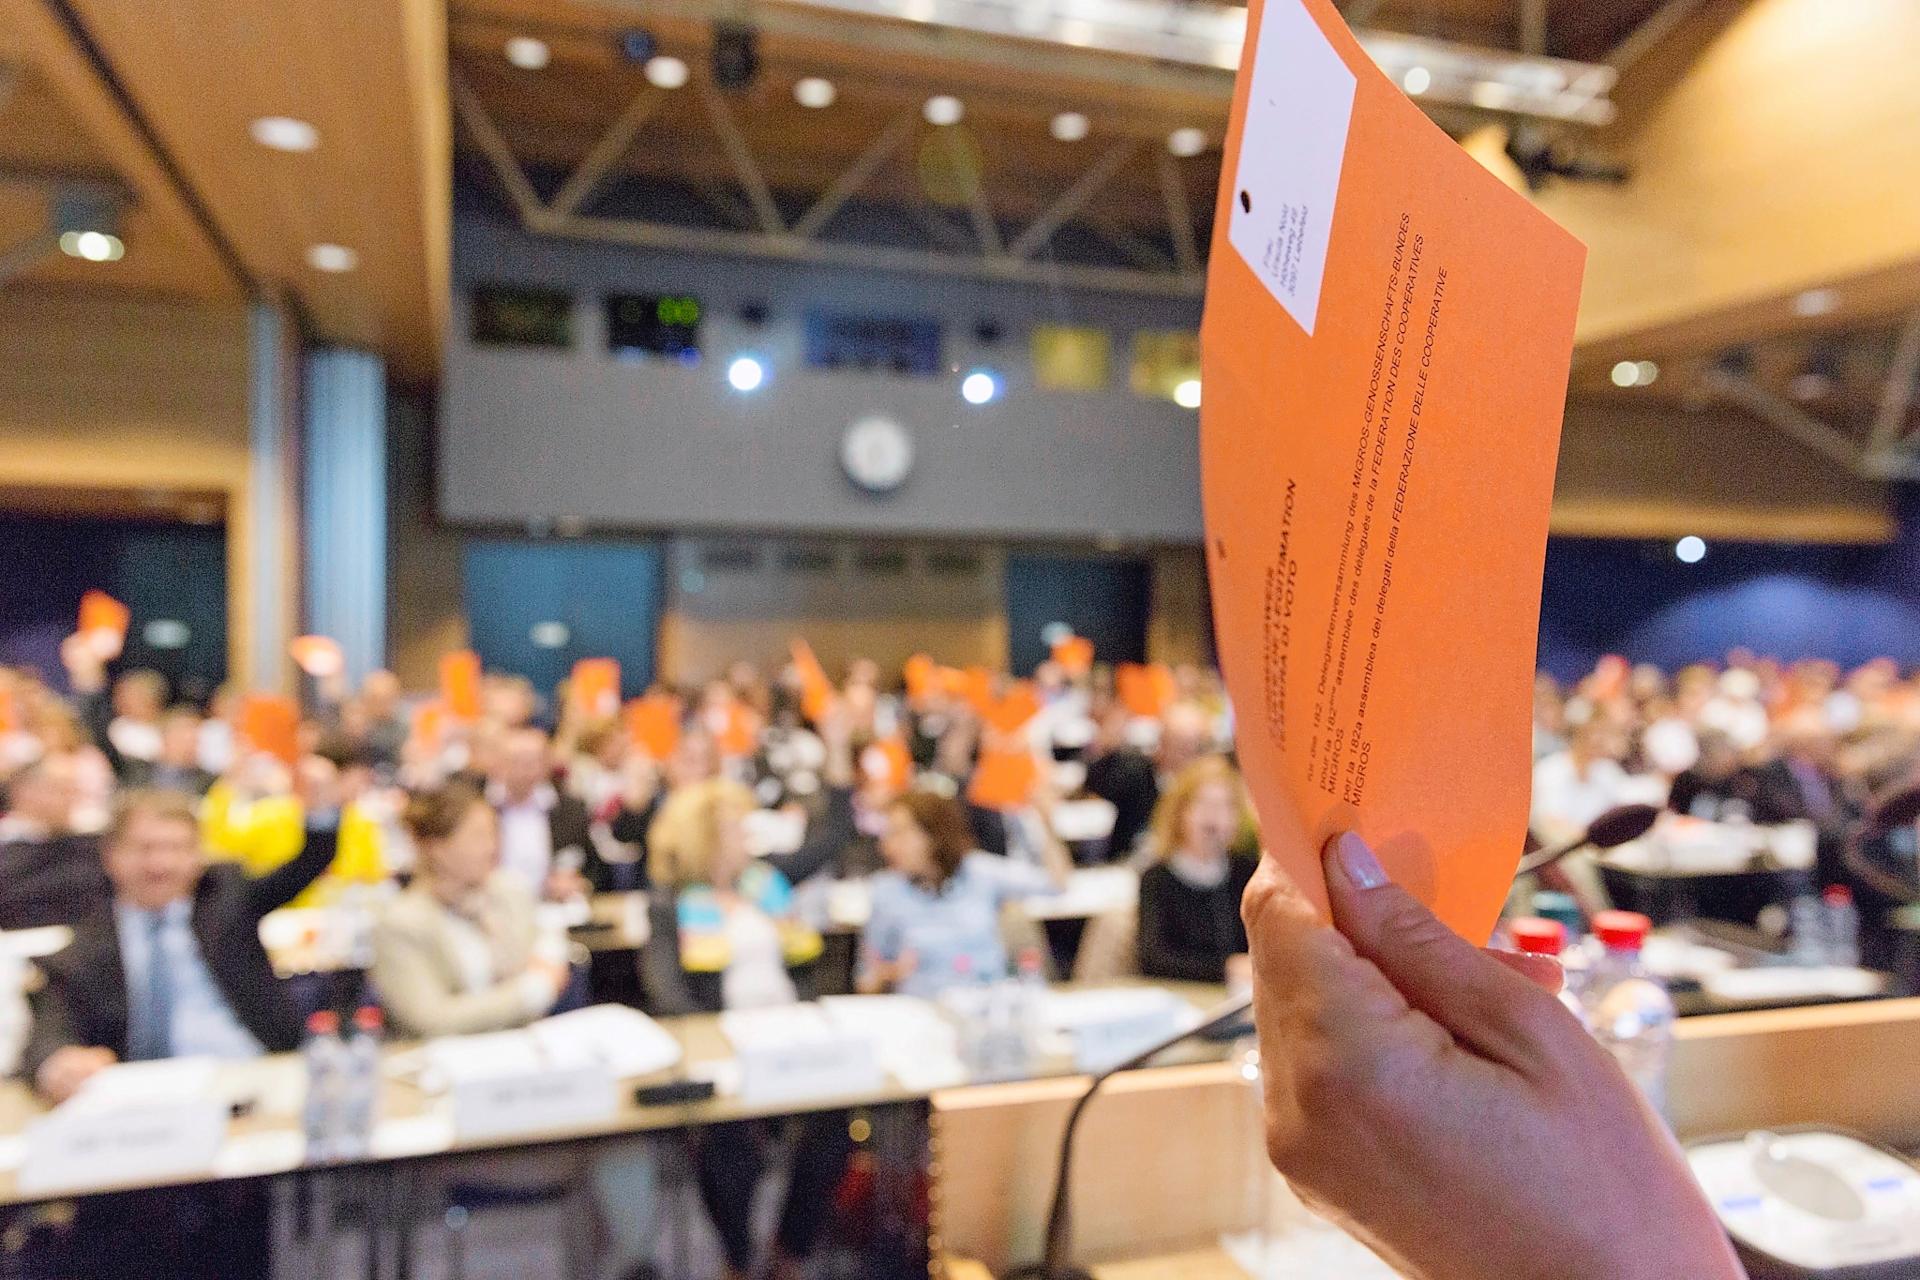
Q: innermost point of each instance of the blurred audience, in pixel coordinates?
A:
(1190, 927)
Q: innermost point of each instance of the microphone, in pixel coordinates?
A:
(1611, 829)
(1053, 1264)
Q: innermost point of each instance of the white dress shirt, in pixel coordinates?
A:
(526, 836)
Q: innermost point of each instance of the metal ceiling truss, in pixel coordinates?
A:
(760, 229)
(1886, 453)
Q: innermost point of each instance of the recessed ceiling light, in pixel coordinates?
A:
(1069, 126)
(665, 72)
(1417, 80)
(1815, 302)
(1187, 394)
(1690, 549)
(528, 53)
(815, 92)
(332, 257)
(1626, 373)
(284, 133)
(1187, 142)
(1644, 372)
(92, 246)
(746, 374)
(943, 108)
(979, 387)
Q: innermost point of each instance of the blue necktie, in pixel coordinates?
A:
(153, 1024)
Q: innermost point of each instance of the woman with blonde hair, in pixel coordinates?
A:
(1190, 927)
(725, 936)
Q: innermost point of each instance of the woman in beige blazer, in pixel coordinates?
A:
(459, 952)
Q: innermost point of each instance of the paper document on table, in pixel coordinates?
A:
(625, 1041)
(458, 1059)
(781, 1024)
(145, 1084)
(1385, 355)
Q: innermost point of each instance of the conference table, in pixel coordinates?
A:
(389, 1193)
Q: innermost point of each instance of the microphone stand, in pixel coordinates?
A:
(1053, 1264)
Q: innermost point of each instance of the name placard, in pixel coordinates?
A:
(816, 1067)
(116, 1146)
(1100, 1043)
(532, 1101)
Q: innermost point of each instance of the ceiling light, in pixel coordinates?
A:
(746, 374)
(666, 72)
(943, 109)
(284, 133)
(979, 387)
(1815, 302)
(1187, 142)
(1069, 126)
(1187, 394)
(528, 53)
(1417, 80)
(1690, 549)
(332, 257)
(1644, 372)
(1626, 373)
(815, 92)
(92, 246)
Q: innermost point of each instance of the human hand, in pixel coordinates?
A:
(553, 975)
(66, 1069)
(86, 669)
(1447, 1110)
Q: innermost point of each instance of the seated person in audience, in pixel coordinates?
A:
(936, 909)
(139, 697)
(1718, 786)
(386, 721)
(725, 936)
(1125, 777)
(459, 951)
(177, 766)
(546, 838)
(172, 965)
(1799, 782)
(1573, 787)
(1190, 927)
(49, 873)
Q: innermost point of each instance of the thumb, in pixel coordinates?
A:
(1486, 1005)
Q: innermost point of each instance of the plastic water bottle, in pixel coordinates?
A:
(1628, 1008)
(323, 1054)
(1807, 930)
(1540, 937)
(1843, 926)
(360, 1085)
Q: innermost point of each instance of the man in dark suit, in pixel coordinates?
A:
(546, 836)
(49, 874)
(172, 965)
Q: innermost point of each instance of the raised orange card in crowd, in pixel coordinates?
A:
(816, 691)
(318, 656)
(102, 613)
(923, 678)
(653, 724)
(1075, 655)
(594, 687)
(1145, 689)
(270, 722)
(460, 684)
(1010, 712)
(1385, 355)
(1003, 777)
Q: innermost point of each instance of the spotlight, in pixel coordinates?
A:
(979, 387)
(1417, 81)
(87, 222)
(1690, 549)
(1187, 394)
(638, 46)
(332, 257)
(1626, 374)
(943, 109)
(1187, 142)
(528, 53)
(284, 133)
(746, 374)
(664, 72)
(815, 92)
(736, 55)
(1069, 126)
(1644, 372)
(92, 246)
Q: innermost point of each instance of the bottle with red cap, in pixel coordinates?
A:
(323, 1053)
(1628, 1008)
(1843, 925)
(1540, 937)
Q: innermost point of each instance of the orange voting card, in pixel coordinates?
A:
(430, 724)
(654, 724)
(9, 715)
(594, 688)
(460, 684)
(1385, 356)
(976, 686)
(318, 656)
(101, 613)
(816, 691)
(1010, 712)
(1145, 690)
(923, 678)
(271, 723)
(1075, 655)
(1004, 778)
(888, 765)
(735, 729)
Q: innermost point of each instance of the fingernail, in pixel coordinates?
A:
(1362, 869)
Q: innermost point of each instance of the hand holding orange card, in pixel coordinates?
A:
(460, 684)
(1385, 353)
(594, 687)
